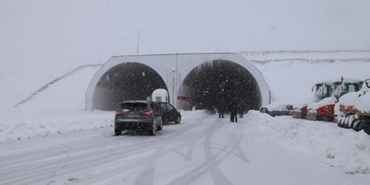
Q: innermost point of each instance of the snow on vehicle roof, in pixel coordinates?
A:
(305, 102)
(345, 80)
(363, 102)
(160, 92)
(349, 98)
(323, 102)
(352, 80)
(135, 101)
(277, 106)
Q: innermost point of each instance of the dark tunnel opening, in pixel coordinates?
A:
(219, 83)
(126, 81)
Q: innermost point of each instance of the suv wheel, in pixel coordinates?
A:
(160, 126)
(178, 120)
(117, 132)
(152, 130)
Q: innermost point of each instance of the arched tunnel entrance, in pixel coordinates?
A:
(126, 81)
(219, 83)
(211, 79)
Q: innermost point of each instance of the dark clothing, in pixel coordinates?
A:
(220, 112)
(233, 117)
(233, 108)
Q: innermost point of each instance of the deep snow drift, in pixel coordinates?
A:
(331, 145)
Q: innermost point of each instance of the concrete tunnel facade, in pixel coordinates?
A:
(201, 80)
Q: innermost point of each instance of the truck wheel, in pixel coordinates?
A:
(366, 127)
(342, 122)
(346, 122)
(356, 125)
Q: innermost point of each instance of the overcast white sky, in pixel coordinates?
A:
(43, 32)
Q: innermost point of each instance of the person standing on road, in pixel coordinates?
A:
(233, 108)
(221, 111)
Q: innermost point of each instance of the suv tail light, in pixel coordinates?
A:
(118, 112)
(146, 112)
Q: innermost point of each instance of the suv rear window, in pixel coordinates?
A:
(134, 106)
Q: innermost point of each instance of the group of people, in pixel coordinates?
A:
(233, 109)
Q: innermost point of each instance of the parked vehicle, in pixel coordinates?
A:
(277, 109)
(354, 109)
(169, 113)
(324, 109)
(138, 115)
(160, 95)
(320, 91)
(362, 110)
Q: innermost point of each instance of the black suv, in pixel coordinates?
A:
(138, 115)
(169, 112)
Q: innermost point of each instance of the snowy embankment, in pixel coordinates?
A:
(333, 146)
(57, 109)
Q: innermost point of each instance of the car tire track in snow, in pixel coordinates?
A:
(83, 153)
(168, 148)
(67, 158)
(211, 165)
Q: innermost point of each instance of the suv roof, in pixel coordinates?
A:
(133, 101)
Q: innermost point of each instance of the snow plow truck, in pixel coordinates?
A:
(320, 91)
(324, 109)
(353, 109)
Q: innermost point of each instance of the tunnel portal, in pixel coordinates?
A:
(204, 80)
(219, 83)
(126, 81)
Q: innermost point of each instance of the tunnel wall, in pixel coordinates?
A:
(174, 67)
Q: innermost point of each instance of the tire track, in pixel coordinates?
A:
(164, 150)
(105, 157)
(211, 165)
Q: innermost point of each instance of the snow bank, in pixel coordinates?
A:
(56, 110)
(22, 124)
(334, 147)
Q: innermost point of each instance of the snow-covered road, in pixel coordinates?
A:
(203, 149)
